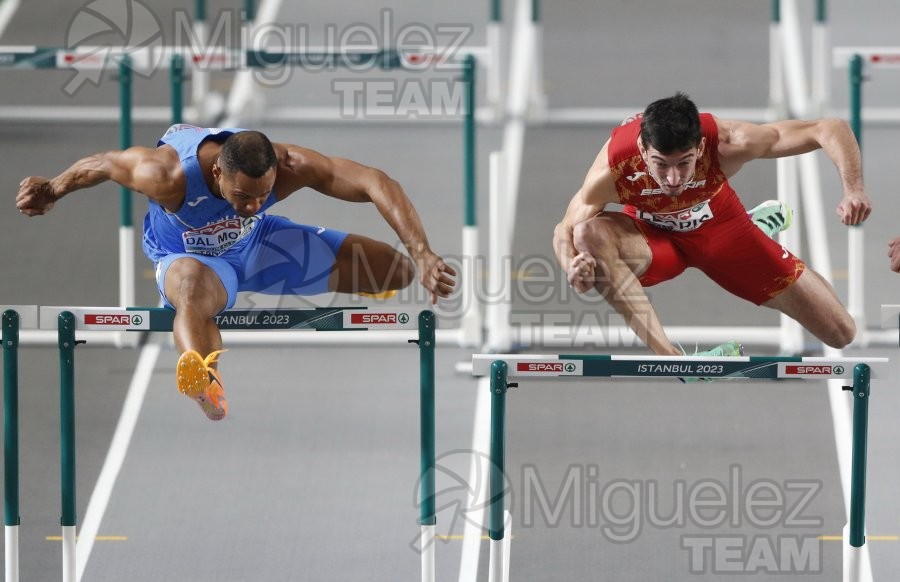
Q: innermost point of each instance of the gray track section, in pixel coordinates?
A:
(312, 476)
(101, 381)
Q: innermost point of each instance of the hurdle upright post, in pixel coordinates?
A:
(11, 443)
(856, 537)
(472, 323)
(496, 528)
(427, 520)
(200, 76)
(469, 129)
(856, 234)
(66, 328)
(126, 223)
(495, 65)
(176, 79)
(856, 80)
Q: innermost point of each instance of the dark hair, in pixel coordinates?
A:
(671, 125)
(248, 152)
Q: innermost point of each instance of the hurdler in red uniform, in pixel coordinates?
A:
(705, 227)
(657, 200)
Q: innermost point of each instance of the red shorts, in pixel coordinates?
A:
(729, 249)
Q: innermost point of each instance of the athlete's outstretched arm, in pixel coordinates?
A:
(354, 182)
(741, 142)
(137, 168)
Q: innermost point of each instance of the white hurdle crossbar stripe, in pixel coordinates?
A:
(678, 366)
(161, 319)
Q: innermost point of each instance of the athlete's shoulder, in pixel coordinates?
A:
(622, 143)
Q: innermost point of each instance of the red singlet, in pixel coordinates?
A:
(706, 226)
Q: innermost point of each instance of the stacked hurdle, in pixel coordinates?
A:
(858, 370)
(68, 320)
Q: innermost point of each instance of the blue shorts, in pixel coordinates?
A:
(280, 257)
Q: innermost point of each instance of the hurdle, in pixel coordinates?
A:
(12, 321)
(499, 367)
(69, 320)
(858, 61)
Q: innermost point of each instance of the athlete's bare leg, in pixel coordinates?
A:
(813, 303)
(362, 264)
(367, 265)
(197, 295)
(622, 255)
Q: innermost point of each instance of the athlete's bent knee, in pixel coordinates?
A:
(593, 236)
(843, 333)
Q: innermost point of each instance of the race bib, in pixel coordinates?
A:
(681, 221)
(216, 238)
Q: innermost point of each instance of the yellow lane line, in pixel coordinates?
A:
(98, 538)
(455, 538)
(868, 538)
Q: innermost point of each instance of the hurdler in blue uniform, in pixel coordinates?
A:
(246, 252)
(209, 235)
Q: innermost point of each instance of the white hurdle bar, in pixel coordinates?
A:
(382, 326)
(858, 370)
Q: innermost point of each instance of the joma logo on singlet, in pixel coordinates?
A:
(688, 186)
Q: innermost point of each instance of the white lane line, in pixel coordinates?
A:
(118, 448)
(479, 483)
(7, 11)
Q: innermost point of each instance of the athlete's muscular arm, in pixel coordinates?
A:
(598, 189)
(740, 142)
(617, 280)
(141, 169)
(347, 180)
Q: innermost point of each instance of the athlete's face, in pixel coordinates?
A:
(673, 171)
(245, 194)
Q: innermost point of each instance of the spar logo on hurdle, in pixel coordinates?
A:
(114, 321)
(117, 319)
(549, 368)
(389, 318)
(805, 370)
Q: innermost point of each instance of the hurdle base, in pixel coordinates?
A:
(496, 561)
(68, 553)
(857, 564)
(507, 544)
(11, 539)
(427, 541)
